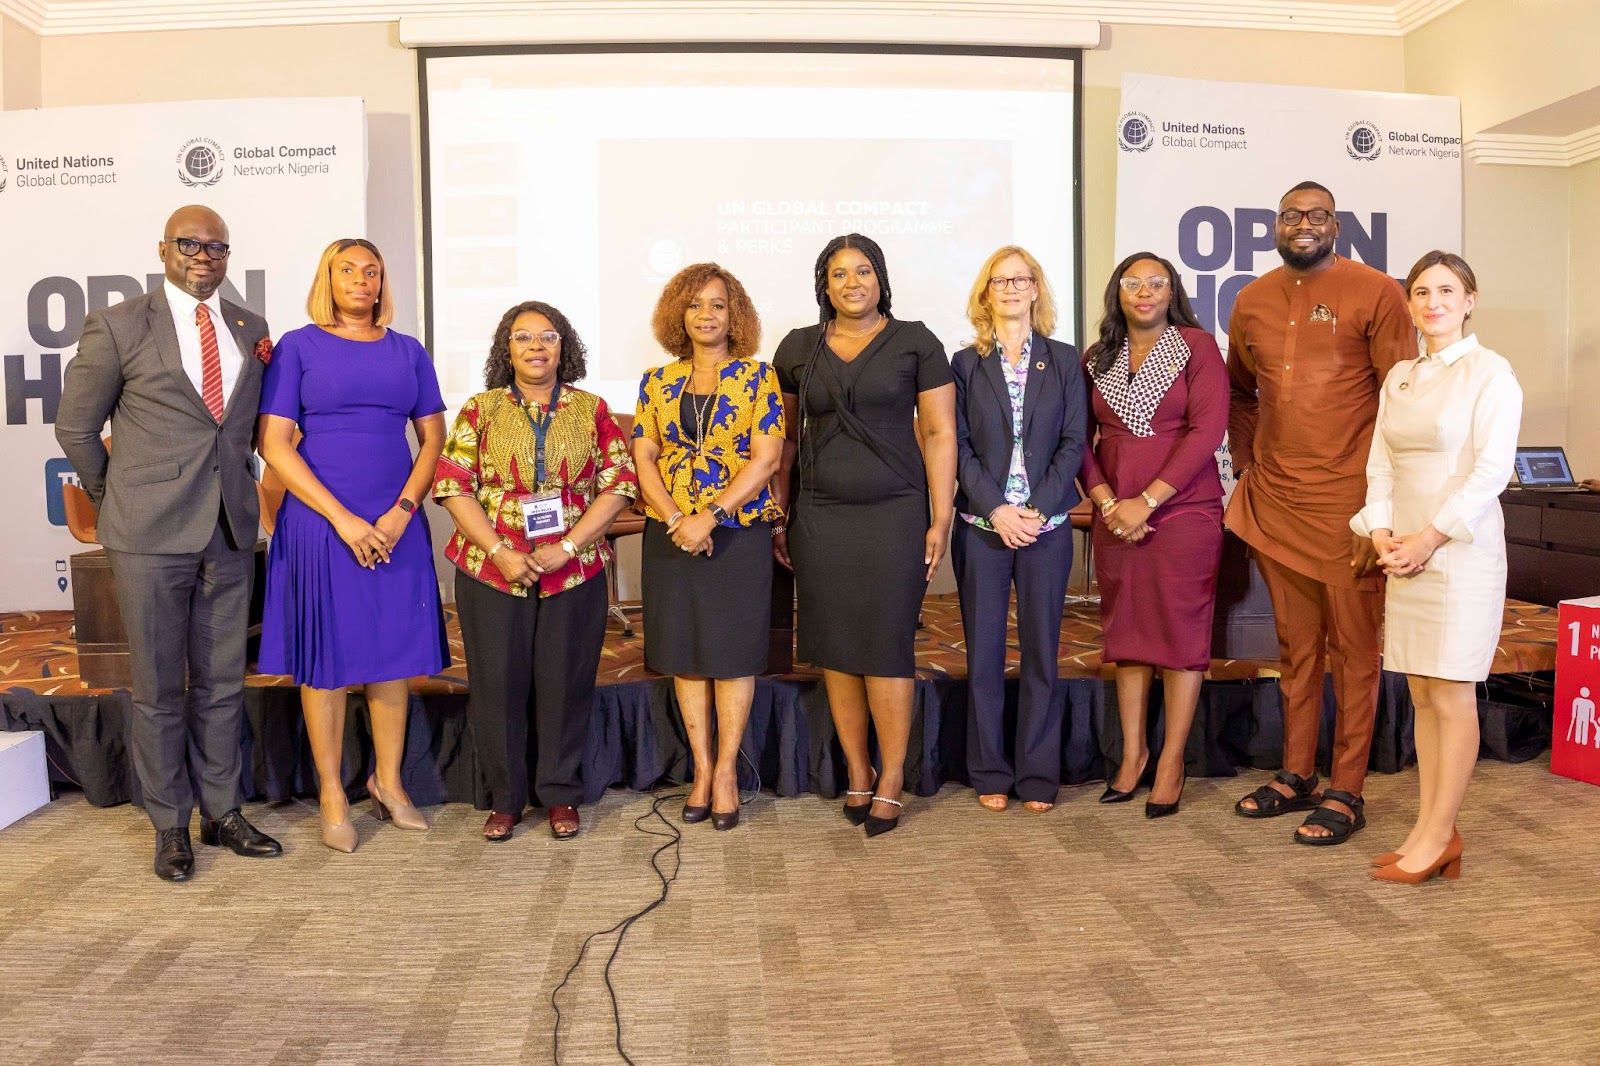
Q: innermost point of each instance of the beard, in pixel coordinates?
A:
(1307, 259)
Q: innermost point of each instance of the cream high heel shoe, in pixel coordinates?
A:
(403, 815)
(341, 837)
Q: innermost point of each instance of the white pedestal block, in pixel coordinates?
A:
(24, 785)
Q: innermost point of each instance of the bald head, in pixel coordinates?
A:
(194, 249)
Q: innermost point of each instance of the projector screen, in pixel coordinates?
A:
(586, 177)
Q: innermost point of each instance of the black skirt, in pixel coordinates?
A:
(708, 616)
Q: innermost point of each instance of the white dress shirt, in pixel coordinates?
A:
(183, 306)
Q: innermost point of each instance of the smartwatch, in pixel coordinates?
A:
(718, 513)
(405, 505)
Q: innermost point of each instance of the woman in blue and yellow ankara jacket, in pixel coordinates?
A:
(707, 437)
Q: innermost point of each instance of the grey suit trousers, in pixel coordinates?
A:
(186, 617)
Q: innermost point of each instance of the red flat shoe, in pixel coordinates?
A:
(563, 822)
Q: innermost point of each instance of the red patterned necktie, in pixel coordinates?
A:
(210, 363)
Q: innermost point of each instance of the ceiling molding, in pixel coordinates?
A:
(52, 18)
(1528, 150)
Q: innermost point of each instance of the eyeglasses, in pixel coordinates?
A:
(1022, 283)
(1316, 216)
(548, 339)
(1157, 284)
(190, 247)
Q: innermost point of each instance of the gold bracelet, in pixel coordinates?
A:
(1105, 508)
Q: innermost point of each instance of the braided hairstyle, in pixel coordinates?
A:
(867, 247)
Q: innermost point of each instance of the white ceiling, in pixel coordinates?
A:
(63, 17)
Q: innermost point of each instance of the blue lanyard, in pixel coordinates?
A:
(540, 427)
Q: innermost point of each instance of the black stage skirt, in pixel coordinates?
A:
(860, 579)
(708, 617)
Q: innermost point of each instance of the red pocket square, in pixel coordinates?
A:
(264, 350)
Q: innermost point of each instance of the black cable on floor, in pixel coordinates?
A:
(674, 840)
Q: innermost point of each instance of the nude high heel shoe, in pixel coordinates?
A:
(341, 837)
(403, 815)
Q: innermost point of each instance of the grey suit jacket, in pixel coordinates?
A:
(172, 469)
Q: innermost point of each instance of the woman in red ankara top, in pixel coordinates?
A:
(533, 472)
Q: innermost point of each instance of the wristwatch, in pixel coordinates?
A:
(570, 548)
(718, 513)
(405, 505)
(1151, 500)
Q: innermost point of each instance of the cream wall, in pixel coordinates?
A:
(1525, 225)
(20, 65)
(1583, 419)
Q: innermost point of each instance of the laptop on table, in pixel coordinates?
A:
(1544, 470)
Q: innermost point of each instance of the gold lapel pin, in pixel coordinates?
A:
(240, 322)
(1039, 365)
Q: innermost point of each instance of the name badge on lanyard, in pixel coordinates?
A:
(542, 514)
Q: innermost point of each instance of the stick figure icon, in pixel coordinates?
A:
(1583, 720)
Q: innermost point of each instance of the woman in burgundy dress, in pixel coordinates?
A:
(1158, 392)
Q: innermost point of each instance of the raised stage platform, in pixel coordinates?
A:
(638, 740)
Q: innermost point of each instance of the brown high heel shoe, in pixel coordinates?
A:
(403, 815)
(1447, 866)
(1389, 858)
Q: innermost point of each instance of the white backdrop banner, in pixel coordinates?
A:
(1202, 165)
(84, 192)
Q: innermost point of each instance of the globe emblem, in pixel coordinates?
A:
(200, 161)
(1136, 130)
(1364, 140)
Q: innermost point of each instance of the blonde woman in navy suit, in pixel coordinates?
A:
(1019, 440)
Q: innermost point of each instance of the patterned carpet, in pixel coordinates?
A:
(1087, 935)
(37, 650)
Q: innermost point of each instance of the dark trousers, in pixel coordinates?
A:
(187, 617)
(1309, 616)
(985, 571)
(531, 657)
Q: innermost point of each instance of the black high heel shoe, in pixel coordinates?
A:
(692, 814)
(1146, 778)
(1161, 810)
(856, 814)
(877, 826)
(725, 820)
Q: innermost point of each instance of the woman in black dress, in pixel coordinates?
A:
(871, 511)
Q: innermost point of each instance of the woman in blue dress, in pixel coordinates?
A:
(351, 596)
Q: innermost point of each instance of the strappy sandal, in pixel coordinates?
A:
(1341, 826)
(1270, 803)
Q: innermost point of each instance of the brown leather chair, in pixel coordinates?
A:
(626, 524)
(82, 518)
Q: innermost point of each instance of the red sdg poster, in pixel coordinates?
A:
(1575, 745)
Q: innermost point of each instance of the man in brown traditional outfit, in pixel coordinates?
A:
(1309, 345)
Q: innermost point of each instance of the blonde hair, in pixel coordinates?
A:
(979, 314)
(319, 302)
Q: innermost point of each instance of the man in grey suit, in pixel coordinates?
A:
(178, 518)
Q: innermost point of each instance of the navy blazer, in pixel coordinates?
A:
(1053, 416)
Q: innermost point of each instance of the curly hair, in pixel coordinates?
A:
(982, 316)
(744, 324)
(1114, 326)
(571, 366)
(867, 247)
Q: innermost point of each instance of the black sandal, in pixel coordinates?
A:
(1342, 826)
(1270, 803)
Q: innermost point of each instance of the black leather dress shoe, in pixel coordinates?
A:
(231, 831)
(174, 856)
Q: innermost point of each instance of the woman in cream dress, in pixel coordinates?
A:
(1441, 455)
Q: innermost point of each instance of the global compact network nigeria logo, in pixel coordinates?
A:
(1135, 132)
(5, 175)
(200, 162)
(1363, 141)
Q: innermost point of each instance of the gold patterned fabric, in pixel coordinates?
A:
(490, 456)
(747, 402)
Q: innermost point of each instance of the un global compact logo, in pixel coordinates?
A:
(1135, 132)
(5, 175)
(200, 162)
(1364, 141)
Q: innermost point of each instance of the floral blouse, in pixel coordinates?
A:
(489, 456)
(747, 401)
(1017, 488)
